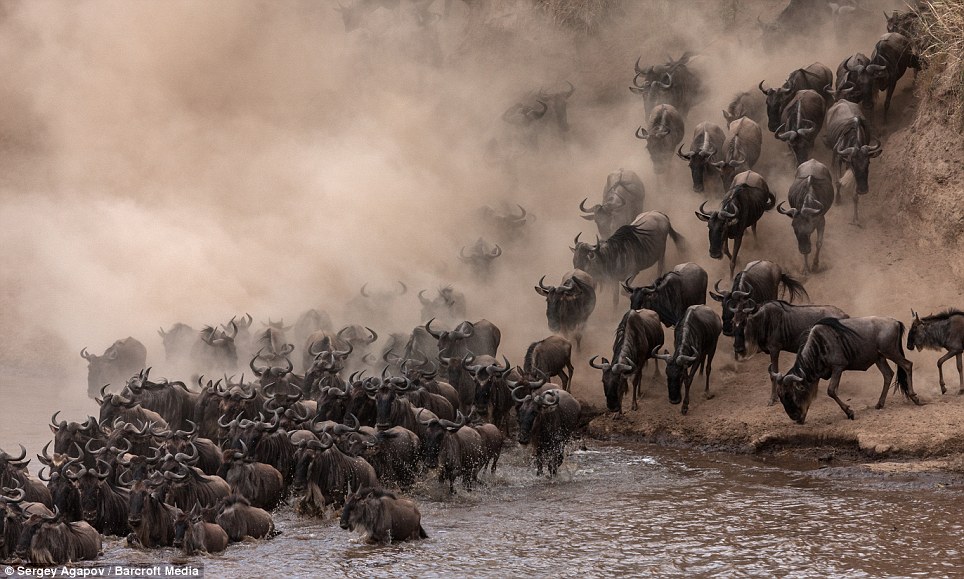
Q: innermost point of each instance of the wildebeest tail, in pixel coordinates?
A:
(421, 533)
(527, 363)
(793, 286)
(901, 373)
(678, 240)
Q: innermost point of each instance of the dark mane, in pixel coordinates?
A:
(620, 334)
(943, 315)
(527, 361)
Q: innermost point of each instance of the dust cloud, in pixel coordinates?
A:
(188, 161)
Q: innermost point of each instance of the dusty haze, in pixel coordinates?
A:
(188, 161)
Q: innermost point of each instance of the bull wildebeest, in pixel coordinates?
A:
(209, 455)
(103, 506)
(525, 116)
(272, 341)
(944, 330)
(481, 337)
(622, 201)
(906, 23)
(671, 293)
(67, 434)
(239, 519)
(893, 51)
(506, 225)
(120, 361)
(309, 322)
(773, 327)
(741, 149)
(194, 535)
(381, 517)
(671, 83)
(329, 473)
(116, 407)
(815, 77)
(178, 342)
(262, 484)
(448, 305)
(215, 349)
(743, 205)
(172, 400)
(393, 453)
(553, 357)
(856, 81)
(64, 493)
(454, 448)
(760, 281)
(631, 249)
(569, 305)
(47, 540)
(149, 516)
(834, 346)
(14, 512)
(747, 104)
(802, 119)
(548, 420)
(637, 335)
(706, 149)
(13, 472)
(810, 196)
(694, 340)
(665, 133)
(493, 397)
(480, 257)
(848, 137)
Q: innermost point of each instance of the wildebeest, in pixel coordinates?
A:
(454, 449)
(538, 111)
(706, 149)
(671, 293)
(638, 333)
(694, 340)
(103, 506)
(309, 322)
(493, 397)
(373, 306)
(802, 119)
(741, 149)
(773, 327)
(671, 83)
(664, 134)
(506, 225)
(906, 23)
(194, 535)
(120, 361)
(393, 453)
(848, 137)
(178, 342)
(552, 357)
(815, 77)
(47, 540)
(569, 305)
(216, 350)
(747, 104)
(480, 258)
(149, 516)
(760, 281)
(743, 205)
(548, 420)
(895, 52)
(13, 473)
(330, 473)
(631, 249)
(834, 346)
(810, 196)
(944, 330)
(622, 201)
(856, 81)
(524, 115)
(382, 517)
(448, 305)
(481, 337)
(172, 400)
(239, 519)
(262, 484)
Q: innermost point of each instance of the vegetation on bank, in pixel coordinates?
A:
(941, 42)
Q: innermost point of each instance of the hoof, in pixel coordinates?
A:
(944, 390)
(771, 402)
(857, 224)
(850, 414)
(684, 410)
(916, 400)
(709, 396)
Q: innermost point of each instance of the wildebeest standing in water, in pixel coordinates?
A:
(944, 330)
(671, 83)
(479, 258)
(706, 149)
(743, 205)
(741, 150)
(671, 294)
(568, 306)
(551, 356)
(637, 335)
(548, 420)
(773, 327)
(622, 201)
(802, 120)
(848, 137)
(633, 248)
(694, 340)
(834, 346)
(123, 359)
(816, 77)
(810, 197)
(382, 517)
(47, 540)
(664, 134)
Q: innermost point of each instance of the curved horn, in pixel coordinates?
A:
(428, 328)
(792, 212)
(642, 133)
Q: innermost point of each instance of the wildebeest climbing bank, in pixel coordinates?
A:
(345, 290)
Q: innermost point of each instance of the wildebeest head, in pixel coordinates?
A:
(914, 341)
(677, 372)
(185, 523)
(804, 221)
(384, 395)
(177, 341)
(480, 257)
(615, 379)
(777, 98)
(142, 494)
(451, 343)
(731, 301)
(449, 304)
(531, 406)
(905, 23)
(606, 214)
(504, 222)
(486, 377)
(743, 345)
(63, 492)
(30, 529)
(436, 430)
(698, 162)
(858, 158)
(90, 483)
(66, 434)
(796, 392)
(585, 256)
(558, 103)
(122, 359)
(655, 83)
(718, 223)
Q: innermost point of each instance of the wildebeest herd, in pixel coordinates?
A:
(199, 464)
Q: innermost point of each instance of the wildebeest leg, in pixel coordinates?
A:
(884, 368)
(940, 367)
(890, 94)
(737, 242)
(775, 362)
(655, 367)
(566, 380)
(806, 264)
(856, 219)
(832, 392)
(636, 380)
(908, 367)
(706, 371)
(960, 374)
(816, 256)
